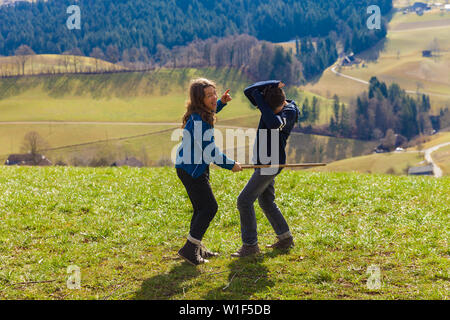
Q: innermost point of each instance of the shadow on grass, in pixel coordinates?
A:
(165, 286)
(248, 276)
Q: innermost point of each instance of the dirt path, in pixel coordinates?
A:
(421, 25)
(92, 123)
(118, 123)
(437, 171)
(333, 69)
(175, 125)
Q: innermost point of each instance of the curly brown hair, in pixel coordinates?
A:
(196, 104)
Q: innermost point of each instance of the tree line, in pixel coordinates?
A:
(382, 111)
(259, 60)
(138, 27)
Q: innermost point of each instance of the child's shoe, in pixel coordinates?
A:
(191, 253)
(246, 250)
(206, 253)
(282, 244)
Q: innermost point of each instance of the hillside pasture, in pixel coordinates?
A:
(78, 113)
(396, 163)
(60, 137)
(53, 64)
(442, 159)
(384, 163)
(123, 226)
(131, 97)
(401, 61)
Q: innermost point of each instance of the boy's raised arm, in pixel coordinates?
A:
(271, 120)
(253, 93)
(259, 86)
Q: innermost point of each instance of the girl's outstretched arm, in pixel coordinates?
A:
(222, 102)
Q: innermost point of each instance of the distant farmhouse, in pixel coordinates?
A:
(421, 171)
(427, 53)
(27, 160)
(417, 7)
(350, 60)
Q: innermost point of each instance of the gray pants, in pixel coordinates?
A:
(260, 187)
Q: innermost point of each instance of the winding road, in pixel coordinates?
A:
(437, 171)
(333, 69)
(427, 153)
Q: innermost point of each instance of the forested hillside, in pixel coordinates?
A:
(383, 111)
(114, 26)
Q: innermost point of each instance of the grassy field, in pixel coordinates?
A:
(151, 96)
(386, 163)
(401, 61)
(439, 138)
(396, 163)
(123, 227)
(442, 159)
(154, 145)
(59, 135)
(157, 96)
(53, 63)
(130, 97)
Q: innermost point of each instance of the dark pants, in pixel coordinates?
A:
(261, 187)
(202, 199)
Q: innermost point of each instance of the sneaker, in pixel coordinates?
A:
(282, 244)
(206, 253)
(191, 253)
(246, 250)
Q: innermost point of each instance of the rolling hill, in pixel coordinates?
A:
(53, 64)
(400, 60)
(396, 163)
(87, 113)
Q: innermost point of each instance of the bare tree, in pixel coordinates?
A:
(66, 60)
(126, 60)
(134, 55)
(33, 144)
(144, 57)
(76, 58)
(112, 53)
(389, 139)
(419, 86)
(435, 48)
(162, 54)
(97, 54)
(23, 54)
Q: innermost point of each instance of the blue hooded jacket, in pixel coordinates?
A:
(284, 122)
(198, 148)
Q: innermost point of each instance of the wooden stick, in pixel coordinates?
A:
(292, 165)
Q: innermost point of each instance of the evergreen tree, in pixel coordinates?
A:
(315, 110)
(126, 24)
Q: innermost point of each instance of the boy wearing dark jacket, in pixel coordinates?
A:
(278, 117)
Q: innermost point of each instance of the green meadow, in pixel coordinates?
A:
(157, 96)
(393, 163)
(53, 63)
(154, 96)
(77, 114)
(442, 159)
(123, 226)
(383, 163)
(400, 60)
